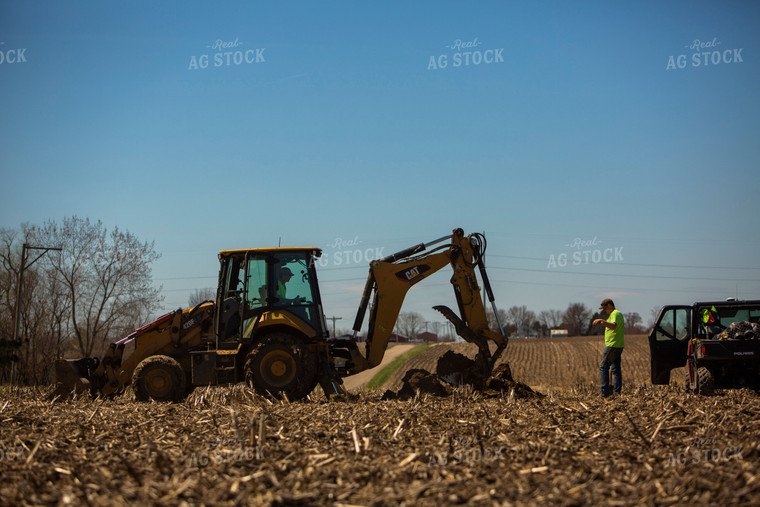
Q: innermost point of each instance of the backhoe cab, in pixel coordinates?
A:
(267, 326)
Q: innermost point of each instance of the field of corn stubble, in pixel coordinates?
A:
(226, 446)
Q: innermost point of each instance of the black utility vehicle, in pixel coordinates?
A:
(718, 341)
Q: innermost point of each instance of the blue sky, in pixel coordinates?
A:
(575, 131)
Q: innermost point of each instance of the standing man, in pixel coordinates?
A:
(613, 348)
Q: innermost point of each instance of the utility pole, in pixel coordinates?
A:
(334, 319)
(19, 282)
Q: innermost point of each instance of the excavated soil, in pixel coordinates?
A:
(229, 446)
(419, 382)
(456, 369)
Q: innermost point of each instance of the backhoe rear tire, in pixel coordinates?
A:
(281, 365)
(159, 378)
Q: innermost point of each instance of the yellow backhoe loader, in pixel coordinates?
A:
(267, 326)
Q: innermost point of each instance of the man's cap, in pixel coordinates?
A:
(606, 302)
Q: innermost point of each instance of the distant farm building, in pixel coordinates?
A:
(559, 333)
(427, 337)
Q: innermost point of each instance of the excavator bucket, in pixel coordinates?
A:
(72, 377)
(457, 369)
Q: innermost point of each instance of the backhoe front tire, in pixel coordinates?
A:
(159, 378)
(281, 364)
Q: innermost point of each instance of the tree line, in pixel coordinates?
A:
(577, 320)
(519, 321)
(73, 302)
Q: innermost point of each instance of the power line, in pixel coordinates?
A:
(602, 288)
(669, 266)
(543, 259)
(585, 273)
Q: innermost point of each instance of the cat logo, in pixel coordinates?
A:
(413, 274)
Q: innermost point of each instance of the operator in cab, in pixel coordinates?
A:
(285, 275)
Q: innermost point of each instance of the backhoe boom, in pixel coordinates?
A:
(390, 278)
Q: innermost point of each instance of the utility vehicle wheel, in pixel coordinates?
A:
(281, 364)
(159, 378)
(705, 381)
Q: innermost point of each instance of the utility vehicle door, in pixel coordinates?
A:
(669, 341)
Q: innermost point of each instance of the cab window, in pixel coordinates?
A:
(256, 271)
(293, 280)
(673, 325)
(233, 283)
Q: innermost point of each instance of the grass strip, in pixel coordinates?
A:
(383, 375)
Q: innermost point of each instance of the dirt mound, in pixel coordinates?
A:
(454, 369)
(418, 380)
(452, 362)
(501, 381)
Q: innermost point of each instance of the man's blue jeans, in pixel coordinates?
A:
(611, 360)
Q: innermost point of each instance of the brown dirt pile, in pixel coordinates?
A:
(454, 369)
(418, 380)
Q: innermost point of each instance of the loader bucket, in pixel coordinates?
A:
(72, 377)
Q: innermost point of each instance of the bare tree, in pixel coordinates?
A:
(653, 314)
(576, 319)
(521, 318)
(106, 279)
(503, 318)
(201, 295)
(10, 261)
(595, 330)
(551, 319)
(632, 322)
(410, 324)
(43, 326)
(540, 328)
